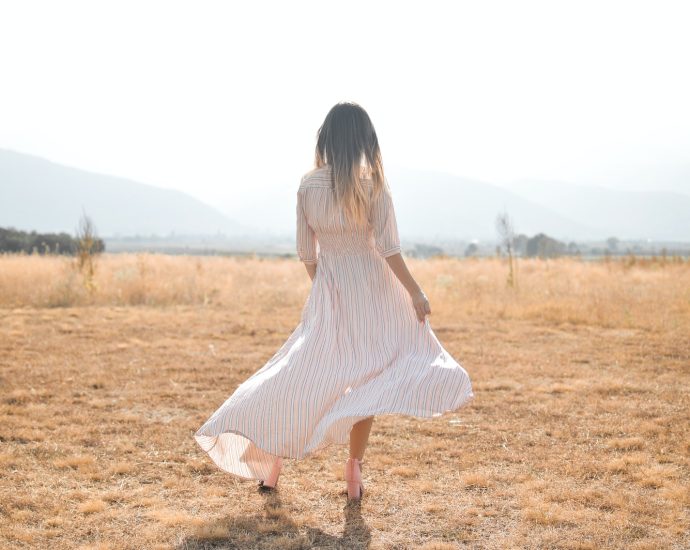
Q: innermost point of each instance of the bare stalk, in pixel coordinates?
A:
(506, 232)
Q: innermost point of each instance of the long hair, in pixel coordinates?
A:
(347, 142)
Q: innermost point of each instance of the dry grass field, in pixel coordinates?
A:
(578, 436)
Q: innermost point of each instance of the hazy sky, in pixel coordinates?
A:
(223, 99)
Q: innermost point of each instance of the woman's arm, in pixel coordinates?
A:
(385, 230)
(419, 299)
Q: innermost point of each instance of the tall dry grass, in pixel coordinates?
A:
(577, 437)
(624, 294)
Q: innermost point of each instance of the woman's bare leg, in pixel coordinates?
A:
(359, 436)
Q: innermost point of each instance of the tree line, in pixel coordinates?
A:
(15, 241)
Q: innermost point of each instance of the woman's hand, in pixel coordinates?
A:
(421, 305)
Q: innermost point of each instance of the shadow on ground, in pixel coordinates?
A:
(275, 529)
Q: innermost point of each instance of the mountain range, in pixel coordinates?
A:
(655, 215)
(37, 194)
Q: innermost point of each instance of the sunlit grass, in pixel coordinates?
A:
(577, 437)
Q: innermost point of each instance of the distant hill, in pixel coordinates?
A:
(656, 215)
(36, 194)
(434, 207)
(430, 206)
(438, 205)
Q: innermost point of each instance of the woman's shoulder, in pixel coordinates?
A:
(321, 177)
(317, 177)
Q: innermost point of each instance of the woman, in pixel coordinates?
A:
(364, 345)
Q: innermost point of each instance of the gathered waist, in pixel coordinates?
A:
(338, 251)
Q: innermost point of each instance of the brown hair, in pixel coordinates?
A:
(347, 142)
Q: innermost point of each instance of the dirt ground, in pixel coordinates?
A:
(578, 436)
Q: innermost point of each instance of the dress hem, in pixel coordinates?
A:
(463, 400)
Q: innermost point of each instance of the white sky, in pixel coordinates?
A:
(223, 99)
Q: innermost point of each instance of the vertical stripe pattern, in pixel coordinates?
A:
(358, 351)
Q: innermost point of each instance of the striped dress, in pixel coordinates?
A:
(358, 351)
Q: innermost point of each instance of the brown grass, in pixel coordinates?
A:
(577, 437)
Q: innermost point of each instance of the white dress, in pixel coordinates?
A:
(358, 351)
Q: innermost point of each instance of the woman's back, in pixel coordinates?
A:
(320, 219)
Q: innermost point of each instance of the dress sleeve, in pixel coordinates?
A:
(384, 224)
(306, 238)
